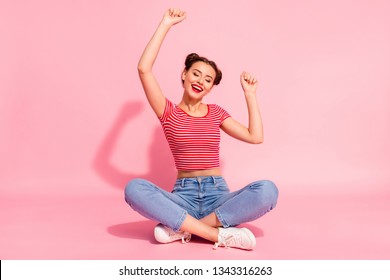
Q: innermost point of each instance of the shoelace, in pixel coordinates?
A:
(223, 243)
(185, 236)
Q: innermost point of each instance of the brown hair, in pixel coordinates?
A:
(193, 57)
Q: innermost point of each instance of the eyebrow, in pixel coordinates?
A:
(201, 73)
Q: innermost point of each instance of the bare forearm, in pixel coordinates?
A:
(255, 125)
(152, 49)
(170, 18)
(149, 82)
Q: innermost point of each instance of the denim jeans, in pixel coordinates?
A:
(200, 196)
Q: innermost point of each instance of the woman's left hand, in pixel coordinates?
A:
(248, 82)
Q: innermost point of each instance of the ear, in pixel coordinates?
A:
(183, 75)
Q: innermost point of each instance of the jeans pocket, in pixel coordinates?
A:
(221, 185)
(176, 188)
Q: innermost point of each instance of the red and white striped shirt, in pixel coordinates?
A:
(194, 141)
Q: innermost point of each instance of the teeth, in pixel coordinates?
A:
(197, 87)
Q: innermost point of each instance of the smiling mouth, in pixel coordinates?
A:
(197, 88)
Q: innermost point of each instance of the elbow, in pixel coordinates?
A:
(143, 69)
(258, 140)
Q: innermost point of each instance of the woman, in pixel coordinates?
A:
(200, 202)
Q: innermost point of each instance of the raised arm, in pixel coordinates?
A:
(254, 132)
(145, 65)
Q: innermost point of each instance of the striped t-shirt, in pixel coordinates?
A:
(194, 141)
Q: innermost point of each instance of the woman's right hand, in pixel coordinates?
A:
(174, 16)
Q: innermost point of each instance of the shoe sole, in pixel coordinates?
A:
(158, 232)
(251, 237)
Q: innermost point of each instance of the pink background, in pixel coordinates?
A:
(75, 125)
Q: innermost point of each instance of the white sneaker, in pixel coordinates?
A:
(164, 234)
(241, 238)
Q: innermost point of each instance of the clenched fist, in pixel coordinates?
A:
(248, 82)
(174, 16)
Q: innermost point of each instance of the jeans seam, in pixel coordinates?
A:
(181, 220)
(184, 213)
(220, 218)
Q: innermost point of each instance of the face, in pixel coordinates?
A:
(198, 80)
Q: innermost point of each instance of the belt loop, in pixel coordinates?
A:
(183, 182)
(213, 180)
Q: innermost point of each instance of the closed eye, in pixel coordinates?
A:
(197, 73)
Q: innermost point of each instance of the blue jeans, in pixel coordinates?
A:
(199, 197)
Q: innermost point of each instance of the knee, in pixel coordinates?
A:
(133, 190)
(272, 189)
(268, 191)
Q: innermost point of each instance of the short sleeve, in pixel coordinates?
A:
(167, 111)
(221, 113)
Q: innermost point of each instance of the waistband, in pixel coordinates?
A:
(199, 179)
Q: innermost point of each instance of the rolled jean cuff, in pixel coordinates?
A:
(179, 223)
(221, 219)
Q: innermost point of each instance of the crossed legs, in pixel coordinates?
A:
(232, 209)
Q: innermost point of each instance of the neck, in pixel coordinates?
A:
(189, 104)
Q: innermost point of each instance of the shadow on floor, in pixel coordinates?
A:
(135, 230)
(144, 230)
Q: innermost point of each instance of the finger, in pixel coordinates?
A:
(249, 78)
(246, 75)
(177, 12)
(243, 76)
(172, 12)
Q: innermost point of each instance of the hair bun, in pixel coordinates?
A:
(194, 57)
(191, 58)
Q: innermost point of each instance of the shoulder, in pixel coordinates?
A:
(169, 108)
(219, 112)
(216, 108)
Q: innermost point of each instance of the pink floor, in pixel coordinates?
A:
(102, 226)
